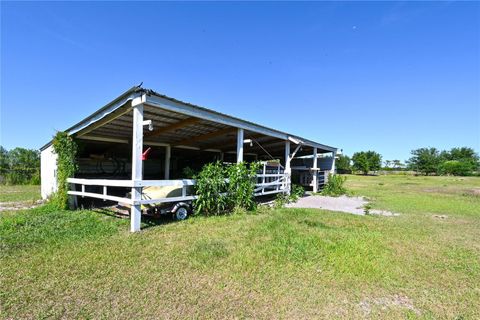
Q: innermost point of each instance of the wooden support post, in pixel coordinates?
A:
(288, 170)
(332, 171)
(168, 151)
(239, 145)
(315, 171)
(137, 165)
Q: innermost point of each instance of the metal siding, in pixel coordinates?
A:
(48, 168)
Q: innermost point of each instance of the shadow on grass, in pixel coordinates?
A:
(148, 220)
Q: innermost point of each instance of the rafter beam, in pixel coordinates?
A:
(172, 127)
(206, 136)
(233, 142)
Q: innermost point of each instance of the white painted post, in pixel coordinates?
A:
(137, 165)
(239, 145)
(315, 172)
(168, 151)
(332, 171)
(264, 172)
(288, 170)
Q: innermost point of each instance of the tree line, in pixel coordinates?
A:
(462, 161)
(19, 166)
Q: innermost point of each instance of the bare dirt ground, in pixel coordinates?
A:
(354, 205)
(19, 205)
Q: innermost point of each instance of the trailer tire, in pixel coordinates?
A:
(181, 213)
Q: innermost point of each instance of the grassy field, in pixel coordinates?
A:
(19, 193)
(287, 263)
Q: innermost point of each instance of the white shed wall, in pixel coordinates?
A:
(48, 171)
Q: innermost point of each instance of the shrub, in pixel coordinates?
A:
(297, 192)
(241, 183)
(217, 196)
(334, 186)
(281, 200)
(210, 187)
(456, 168)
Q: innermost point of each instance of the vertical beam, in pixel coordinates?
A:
(288, 170)
(137, 166)
(239, 145)
(168, 151)
(332, 171)
(315, 171)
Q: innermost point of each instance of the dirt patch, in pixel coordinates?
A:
(354, 205)
(388, 302)
(19, 205)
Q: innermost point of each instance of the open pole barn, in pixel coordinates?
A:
(143, 139)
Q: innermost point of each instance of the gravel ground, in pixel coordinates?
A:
(353, 205)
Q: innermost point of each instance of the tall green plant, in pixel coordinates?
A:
(210, 187)
(221, 189)
(66, 150)
(241, 184)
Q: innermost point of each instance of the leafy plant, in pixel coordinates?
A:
(281, 200)
(66, 149)
(188, 173)
(334, 186)
(225, 189)
(241, 184)
(210, 188)
(296, 192)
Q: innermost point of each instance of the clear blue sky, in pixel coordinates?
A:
(385, 76)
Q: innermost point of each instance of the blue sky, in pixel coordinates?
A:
(384, 76)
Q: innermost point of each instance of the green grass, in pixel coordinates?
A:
(288, 263)
(19, 193)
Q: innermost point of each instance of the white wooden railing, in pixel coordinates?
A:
(269, 184)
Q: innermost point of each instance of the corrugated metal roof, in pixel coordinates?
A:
(165, 117)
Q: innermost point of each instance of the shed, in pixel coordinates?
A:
(179, 135)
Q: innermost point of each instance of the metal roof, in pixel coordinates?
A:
(165, 110)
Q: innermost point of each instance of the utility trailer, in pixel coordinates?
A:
(270, 179)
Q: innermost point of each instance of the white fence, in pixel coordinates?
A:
(266, 184)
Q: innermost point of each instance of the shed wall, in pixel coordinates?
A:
(48, 172)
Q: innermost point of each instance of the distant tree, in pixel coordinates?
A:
(456, 168)
(425, 160)
(343, 164)
(366, 161)
(3, 161)
(20, 166)
(388, 164)
(397, 164)
(465, 155)
(458, 161)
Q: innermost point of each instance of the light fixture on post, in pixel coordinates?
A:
(249, 141)
(149, 124)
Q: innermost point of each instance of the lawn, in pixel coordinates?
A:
(19, 193)
(285, 263)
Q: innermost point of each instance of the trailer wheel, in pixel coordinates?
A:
(181, 213)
